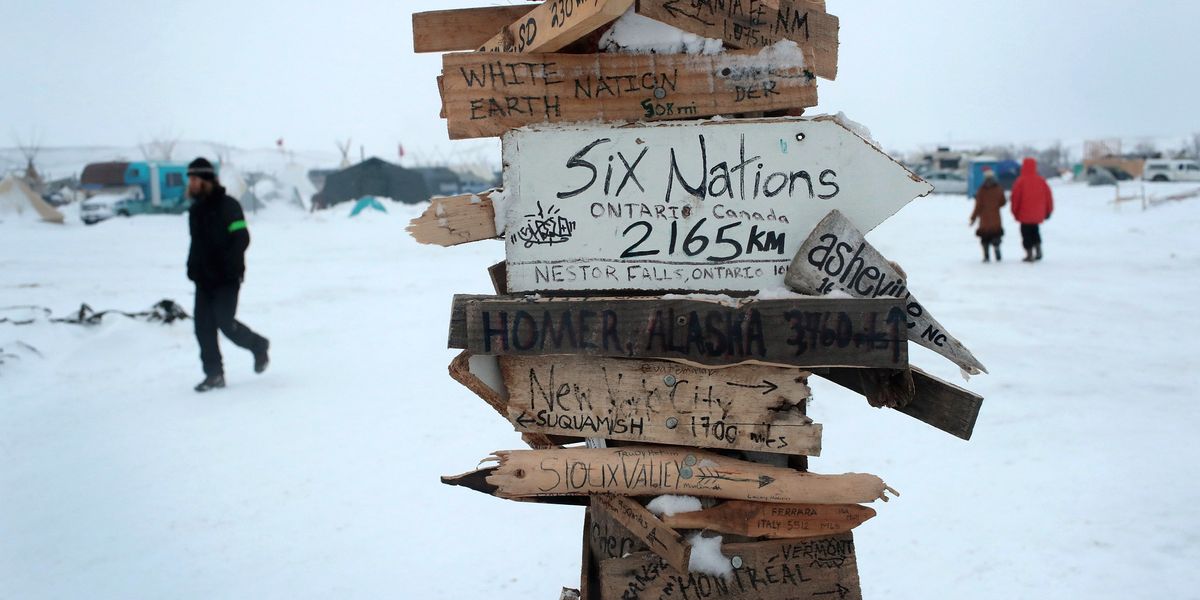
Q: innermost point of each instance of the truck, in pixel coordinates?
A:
(124, 189)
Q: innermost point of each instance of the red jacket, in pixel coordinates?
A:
(1032, 201)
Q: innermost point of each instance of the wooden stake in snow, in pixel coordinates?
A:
(656, 470)
(836, 257)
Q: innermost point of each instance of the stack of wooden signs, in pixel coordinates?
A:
(671, 284)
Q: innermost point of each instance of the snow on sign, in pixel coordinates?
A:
(702, 206)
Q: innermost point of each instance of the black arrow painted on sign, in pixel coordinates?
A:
(669, 6)
(770, 387)
(524, 420)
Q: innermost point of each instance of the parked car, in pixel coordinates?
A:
(111, 204)
(1168, 169)
(946, 182)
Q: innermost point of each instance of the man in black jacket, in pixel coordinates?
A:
(216, 263)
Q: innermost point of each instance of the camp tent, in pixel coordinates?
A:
(373, 177)
(17, 200)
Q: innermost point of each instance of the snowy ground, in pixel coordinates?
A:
(319, 478)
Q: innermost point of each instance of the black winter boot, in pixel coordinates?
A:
(1037, 252)
(211, 382)
(260, 357)
(996, 248)
(986, 255)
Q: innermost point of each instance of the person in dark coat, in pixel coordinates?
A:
(988, 201)
(216, 263)
(1032, 204)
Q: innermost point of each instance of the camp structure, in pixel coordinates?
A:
(372, 177)
(16, 199)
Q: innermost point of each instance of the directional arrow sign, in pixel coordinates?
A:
(821, 568)
(662, 402)
(706, 206)
(836, 257)
(657, 470)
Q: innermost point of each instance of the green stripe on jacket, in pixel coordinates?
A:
(237, 225)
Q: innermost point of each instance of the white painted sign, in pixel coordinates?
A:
(709, 206)
(836, 257)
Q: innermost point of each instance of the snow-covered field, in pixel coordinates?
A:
(319, 478)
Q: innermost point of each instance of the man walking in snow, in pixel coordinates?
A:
(1032, 203)
(216, 263)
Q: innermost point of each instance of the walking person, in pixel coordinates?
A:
(216, 264)
(1032, 204)
(988, 201)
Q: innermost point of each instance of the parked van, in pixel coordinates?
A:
(132, 188)
(1171, 169)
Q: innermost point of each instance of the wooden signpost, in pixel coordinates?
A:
(804, 332)
(756, 24)
(552, 25)
(718, 206)
(668, 288)
(788, 521)
(773, 570)
(488, 93)
(746, 407)
(836, 257)
(657, 470)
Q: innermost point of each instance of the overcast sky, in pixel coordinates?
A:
(919, 72)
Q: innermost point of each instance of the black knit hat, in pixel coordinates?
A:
(202, 168)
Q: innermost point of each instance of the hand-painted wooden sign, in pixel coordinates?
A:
(607, 537)
(804, 332)
(939, 403)
(761, 519)
(461, 28)
(486, 94)
(745, 407)
(836, 257)
(756, 24)
(721, 205)
(820, 568)
(659, 538)
(453, 220)
(554, 24)
(655, 470)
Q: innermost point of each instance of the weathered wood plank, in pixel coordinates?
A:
(608, 538)
(655, 470)
(465, 369)
(461, 28)
(453, 220)
(707, 206)
(553, 25)
(837, 258)
(487, 94)
(744, 407)
(935, 402)
(824, 567)
(477, 480)
(755, 25)
(659, 538)
(784, 521)
(804, 332)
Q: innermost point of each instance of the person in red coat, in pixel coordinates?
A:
(1032, 203)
